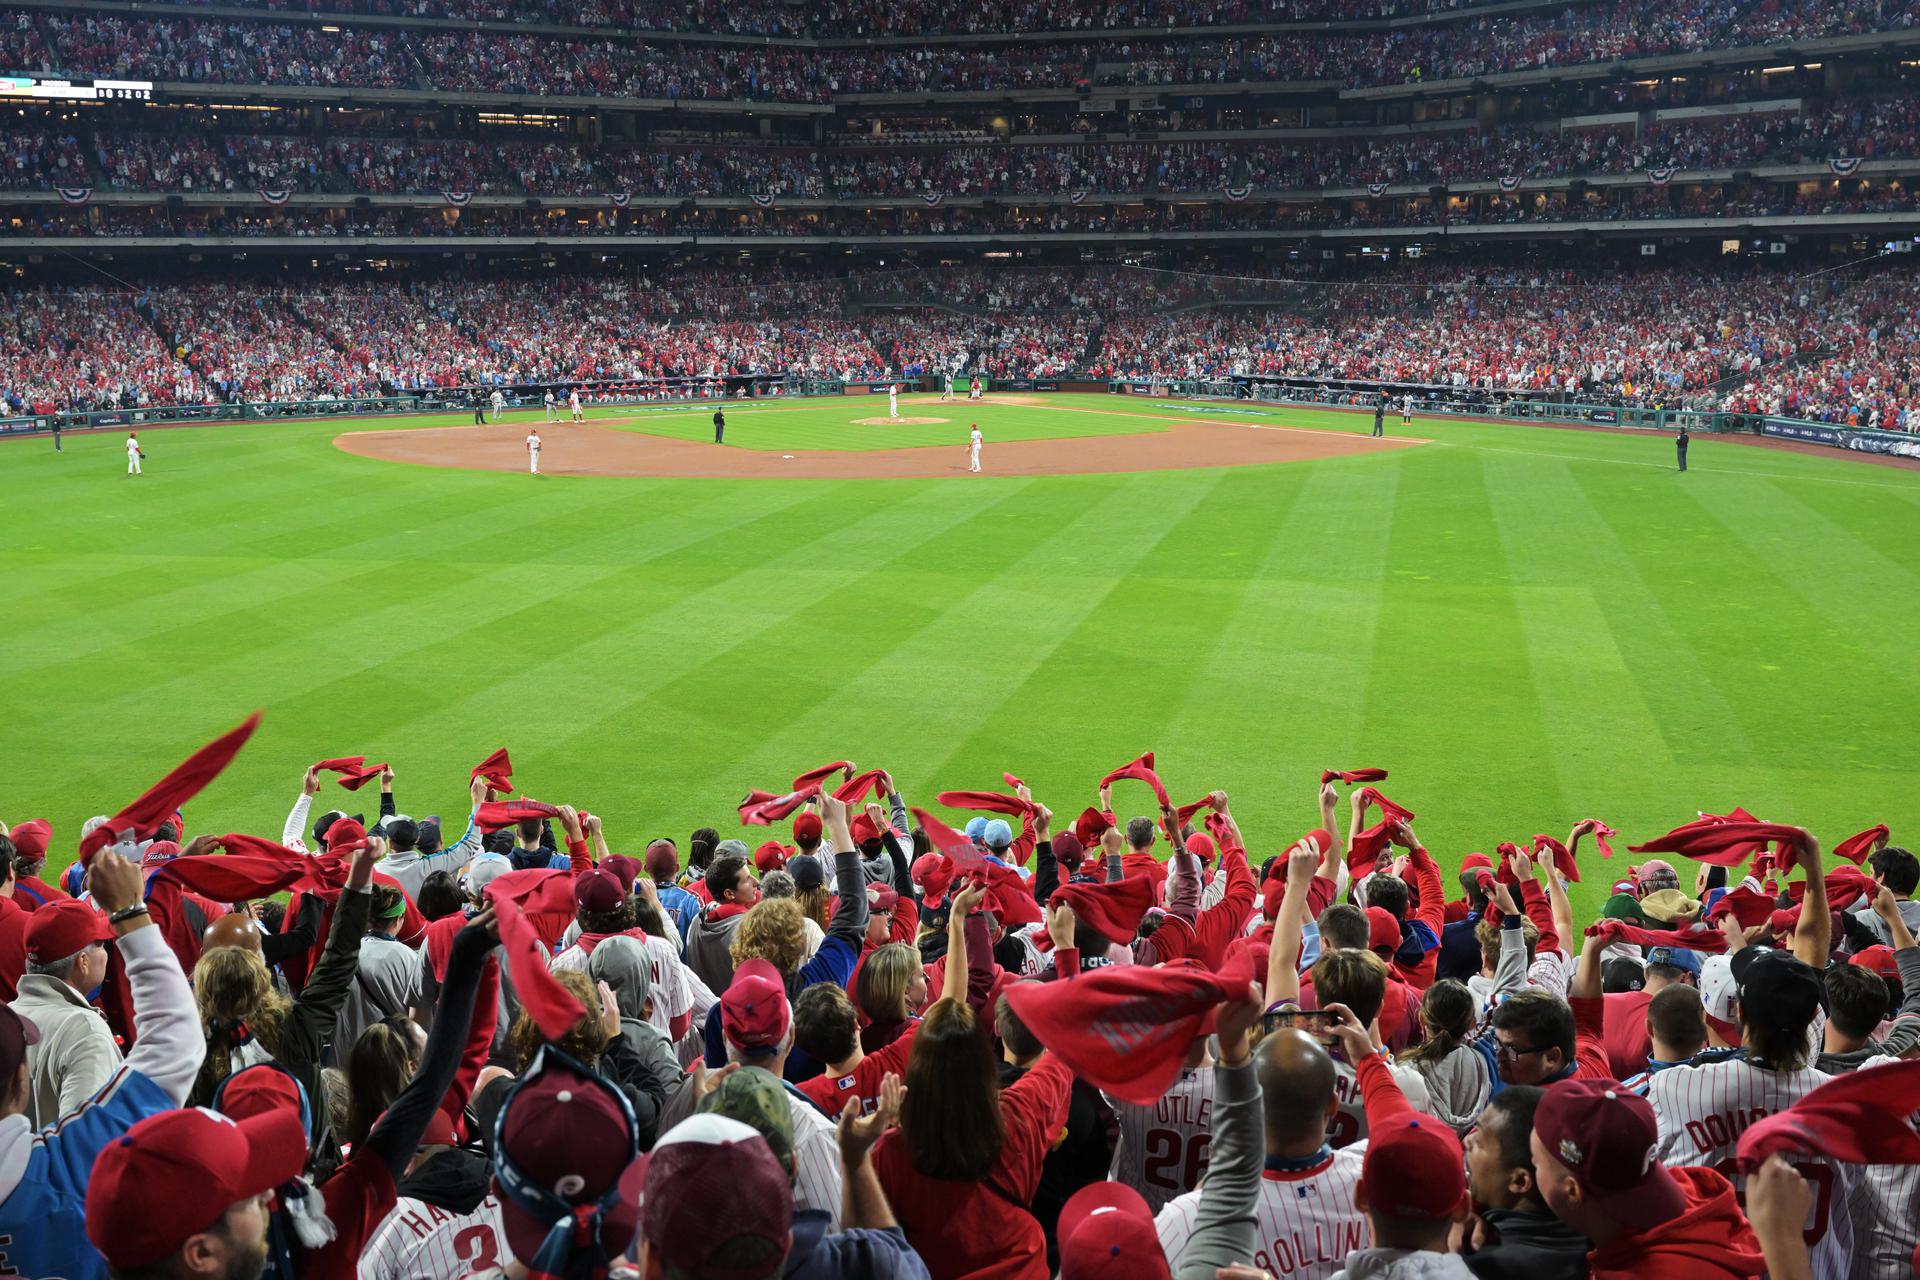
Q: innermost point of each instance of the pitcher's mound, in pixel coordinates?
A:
(898, 422)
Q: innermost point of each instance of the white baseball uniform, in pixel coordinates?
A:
(573, 405)
(1163, 1148)
(553, 409)
(1702, 1112)
(977, 438)
(499, 404)
(893, 401)
(533, 452)
(1304, 1224)
(419, 1241)
(133, 456)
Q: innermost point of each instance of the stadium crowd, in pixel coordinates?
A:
(203, 49)
(864, 1043)
(1841, 346)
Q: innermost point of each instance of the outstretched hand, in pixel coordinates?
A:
(858, 1133)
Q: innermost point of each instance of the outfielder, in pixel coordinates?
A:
(974, 449)
(133, 455)
(533, 452)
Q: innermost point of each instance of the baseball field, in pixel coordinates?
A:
(1526, 625)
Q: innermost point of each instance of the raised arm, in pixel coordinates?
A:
(1813, 936)
(1283, 978)
(169, 1046)
(293, 834)
(954, 982)
(318, 1005)
(1223, 1224)
(1330, 823)
(849, 877)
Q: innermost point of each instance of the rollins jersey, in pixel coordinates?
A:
(420, 1241)
(1304, 1222)
(1162, 1149)
(1703, 1110)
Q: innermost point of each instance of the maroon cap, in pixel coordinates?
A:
(806, 828)
(207, 1163)
(1068, 851)
(1107, 1233)
(16, 1033)
(66, 927)
(1383, 930)
(771, 856)
(1606, 1137)
(568, 1133)
(754, 1012)
(1879, 958)
(710, 1182)
(599, 891)
(1414, 1169)
(628, 869)
(663, 861)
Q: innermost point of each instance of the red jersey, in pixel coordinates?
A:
(1629, 1043)
(831, 1093)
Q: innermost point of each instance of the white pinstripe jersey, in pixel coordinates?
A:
(419, 1241)
(1703, 1110)
(1304, 1224)
(816, 1150)
(1884, 1208)
(672, 994)
(1163, 1148)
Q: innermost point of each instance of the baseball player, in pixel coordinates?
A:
(947, 387)
(419, 1241)
(974, 449)
(973, 389)
(1406, 409)
(893, 400)
(133, 455)
(533, 452)
(1163, 1148)
(553, 407)
(573, 406)
(499, 404)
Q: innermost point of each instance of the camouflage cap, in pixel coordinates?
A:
(757, 1099)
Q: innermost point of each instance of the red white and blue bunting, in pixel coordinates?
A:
(619, 199)
(1510, 183)
(275, 196)
(1076, 197)
(75, 195)
(1376, 189)
(763, 198)
(933, 198)
(1237, 193)
(458, 199)
(1661, 174)
(1844, 166)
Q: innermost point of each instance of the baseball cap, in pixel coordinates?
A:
(732, 849)
(1717, 993)
(1877, 958)
(756, 1099)
(1068, 851)
(713, 1187)
(1624, 906)
(627, 869)
(30, 839)
(1676, 957)
(599, 891)
(429, 838)
(1606, 1137)
(1199, 844)
(1476, 861)
(1656, 875)
(1383, 930)
(66, 927)
(207, 1162)
(482, 870)
(1414, 1169)
(156, 852)
(806, 871)
(1106, 1232)
(1623, 973)
(976, 829)
(567, 1166)
(806, 828)
(1668, 905)
(663, 860)
(933, 872)
(754, 1012)
(771, 856)
(863, 831)
(997, 834)
(17, 1031)
(1776, 988)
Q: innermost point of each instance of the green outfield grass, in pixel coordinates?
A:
(831, 424)
(1527, 626)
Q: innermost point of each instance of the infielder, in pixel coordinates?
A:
(893, 400)
(499, 404)
(133, 455)
(533, 452)
(947, 394)
(974, 449)
(553, 407)
(573, 405)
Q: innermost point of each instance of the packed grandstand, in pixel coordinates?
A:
(1632, 202)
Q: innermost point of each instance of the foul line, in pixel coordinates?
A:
(1662, 466)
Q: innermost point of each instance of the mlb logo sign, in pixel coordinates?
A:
(1305, 1191)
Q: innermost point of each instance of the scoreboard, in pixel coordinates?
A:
(43, 88)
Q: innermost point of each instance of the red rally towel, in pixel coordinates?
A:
(1141, 769)
(1562, 856)
(497, 769)
(1115, 909)
(1091, 825)
(495, 814)
(545, 894)
(1013, 781)
(1389, 811)
(985, 801)
(155, 805)
(1706, 941)
(1856, 848)
(1723, 842)
(340, 764)
(1845, 886)
(1859, 1118)
(1184, 814)
(254, 868)
(820, 774)
(1351, 776)
(855, 789)
(1601, 834)
(762, 810)
(354, 779)
(1749, 906)
(550, 1005)
(1127, 1028)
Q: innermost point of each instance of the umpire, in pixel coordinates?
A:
(720, 425)
(1380, 416)
(1680, 445)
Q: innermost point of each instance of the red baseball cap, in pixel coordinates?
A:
(1474, 860)
(599, 891)
(771, 856)
(754, 1013)
(68, 926)
(712, 1181)
(1383, 930)
(1879, 959)
(1107, 1233)
(862, 829)
(1201, 846)
(806, 828)
(205, 1161)
(1606, 1137)
(31, 839)
(933, 872)
(1414, 1169)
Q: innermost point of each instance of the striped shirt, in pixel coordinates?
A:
(1162, 1149)
(1305, 1222)
(420, 1241)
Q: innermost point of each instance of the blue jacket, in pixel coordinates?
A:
(849, 1255)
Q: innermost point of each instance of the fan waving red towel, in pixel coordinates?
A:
(1724, 843)
(820, 774)
(1749, 906)
(550, 1005)
(1388, 809)
(1845, 886)
(497, 769)
(1562, 856)
(1184, 814)
(1858, 1118)
(158, 803)
(1127, 1029)
(1601, 834)
(1351, 776)
(1706, 941)
(985, 801)
(339, 764)
(1856, 848)
(1114, 908)
(960, 850)
(496, 814)
(1091, 825)
(855, 789)
(254, 868)
(1141, 769)
(354, 779)
(761, 810)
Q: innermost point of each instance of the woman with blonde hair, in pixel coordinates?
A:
(891, 991)
(247, 1021)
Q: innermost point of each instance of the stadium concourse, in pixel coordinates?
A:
(864, 1043)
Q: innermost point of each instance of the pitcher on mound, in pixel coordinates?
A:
(893, 400)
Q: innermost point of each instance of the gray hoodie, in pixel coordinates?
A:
(623, 964)
(1403, 1264)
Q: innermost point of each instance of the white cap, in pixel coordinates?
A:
(1718, 990)
(481, 871)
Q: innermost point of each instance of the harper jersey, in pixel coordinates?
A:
(1703, 1110)
(1162, 1149)
(1304, 1223)
(1349, 1123)
(421, 1241)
